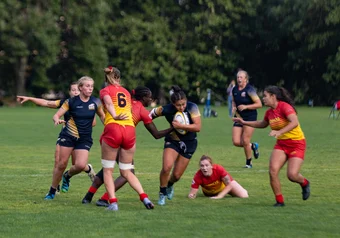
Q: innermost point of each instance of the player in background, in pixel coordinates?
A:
(245, 102)
(56, 104)
(178, 148)
(119, 135)
(142, 98)
(215, 181)
(76, 135)
(290, 145)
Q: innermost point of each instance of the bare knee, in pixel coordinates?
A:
(292, 176)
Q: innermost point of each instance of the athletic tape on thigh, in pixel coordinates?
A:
(108, 163)
(123, 166)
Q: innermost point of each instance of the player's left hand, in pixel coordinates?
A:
(242, 107)
(275, 133)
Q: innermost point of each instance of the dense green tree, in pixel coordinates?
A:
(28, 47)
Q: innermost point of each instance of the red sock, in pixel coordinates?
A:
(305, 183)
(279, 198)
(93, 190)
(112, 200)
(105, 197)
(142, 196)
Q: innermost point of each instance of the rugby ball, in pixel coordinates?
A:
(183, 119)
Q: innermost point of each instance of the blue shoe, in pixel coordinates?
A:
(66, 184)
(306, 192)
(49, 196)
(170, 192)
(161, 200)
(102, 203)
(255, 148)
(248, 166)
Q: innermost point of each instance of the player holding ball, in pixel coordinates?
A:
(181, 144)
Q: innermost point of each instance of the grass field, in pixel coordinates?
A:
(27, 143)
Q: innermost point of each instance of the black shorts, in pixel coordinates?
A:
(249, 118)
(83, 143)
(184, 148)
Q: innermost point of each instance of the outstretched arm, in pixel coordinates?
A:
(151, 127)
(38, 101)
(256, 124)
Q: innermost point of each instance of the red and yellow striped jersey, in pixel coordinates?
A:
(278, 119)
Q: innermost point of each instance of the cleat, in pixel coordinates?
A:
(66, 184)
(86, 200)
(161, 200)
(49, 196)
(170, 192)
(112, 207)
(255, 148)
(148, 204)
(306, 192)
(102, 203)
(91, 174)
(248, 166)
(278, 204)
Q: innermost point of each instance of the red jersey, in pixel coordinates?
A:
(277, 119)
(213, 184)
(140, 113)
(121, 100)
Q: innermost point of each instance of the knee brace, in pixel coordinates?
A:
(108, 163)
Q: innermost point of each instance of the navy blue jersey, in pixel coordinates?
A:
(245, 96)
(81, 116)
(169, 111)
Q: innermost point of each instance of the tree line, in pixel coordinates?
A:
(196, 44)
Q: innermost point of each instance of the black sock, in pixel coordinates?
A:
(170, 184)
(66, 175)
(89, 196)
(88, 171)
(52, 190)
(248, 161)
(163, 190)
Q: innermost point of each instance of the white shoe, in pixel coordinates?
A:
(91, 174)
(112, 207)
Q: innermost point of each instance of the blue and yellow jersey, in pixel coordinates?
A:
(121, 100)
(81, 116)
(58, 104)
(169, 111)
(245, 96)
(277, 119)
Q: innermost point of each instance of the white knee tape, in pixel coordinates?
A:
(108, 163)
(123, 166)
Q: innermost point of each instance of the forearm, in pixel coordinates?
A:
(255, 124)
(192, 127)
(163, 133)
(289, 127)
(225, 191)
(192, 193)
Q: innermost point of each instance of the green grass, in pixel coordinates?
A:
(27, 143)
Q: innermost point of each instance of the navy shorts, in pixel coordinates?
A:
(249, 118)
(184, 148)
(82, 143)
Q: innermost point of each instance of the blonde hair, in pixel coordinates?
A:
(246, 74)
(83, 79)
(112, 75)
(206, 157)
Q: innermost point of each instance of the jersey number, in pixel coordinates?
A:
(121, 99)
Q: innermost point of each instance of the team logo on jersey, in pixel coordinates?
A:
(243, 94)
(91, 106)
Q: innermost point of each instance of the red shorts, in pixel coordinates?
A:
(116, 136)
(292, 148)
